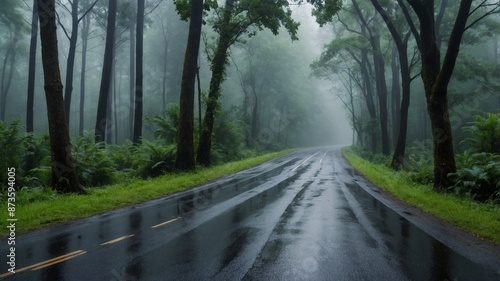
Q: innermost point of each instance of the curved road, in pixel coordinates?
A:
(304, 216)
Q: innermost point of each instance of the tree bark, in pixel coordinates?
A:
(139, 75)
(132, 73)
(395, 94)
(381, 84)
(402, 50)
(218, 68)
(368, 92)
(101, 120)
(184, 159)
(32, 70)
(70, 66)
(436, 79)
(10, 57)
(64, 177)
(85, 35)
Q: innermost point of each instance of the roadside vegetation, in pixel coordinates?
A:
(112, 175)
(471, 203)
(38, 207)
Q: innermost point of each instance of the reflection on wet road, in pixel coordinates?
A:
(300, 217)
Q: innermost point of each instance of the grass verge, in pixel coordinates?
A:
(48, 208)
(480, 219)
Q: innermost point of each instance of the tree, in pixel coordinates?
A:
(373, 35)
(436, 75)
(401, 41)
(73, 40)
(101, 120)
(184, 159)
(31, 69)
(12, 18)
(64, 177)
(236, 20)
(132, 69)
(85, 38)
(139, 75)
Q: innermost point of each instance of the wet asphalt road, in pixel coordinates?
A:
(304, 216)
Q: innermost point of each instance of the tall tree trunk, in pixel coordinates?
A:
(184, 159)
(402, 51)
(10, 57)
(395, 94)
(381, 85)
(368, 93)
(70, 66)
(138, 78)
(32, 71)
(64, 177)
(85, 39)
(164, 78)
(101, 121)
(132, 72)
(218, 66)
(199, 99)
(436, 79)
(255, 115)
(31, 83)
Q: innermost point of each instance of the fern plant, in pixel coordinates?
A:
(12, 149)
(154, 158)
(166, 125)
(478, 176)
(93, 165)
(485, 133)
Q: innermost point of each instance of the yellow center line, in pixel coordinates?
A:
(164, 223)
(47, 262)
(117, 240)
(80, 252)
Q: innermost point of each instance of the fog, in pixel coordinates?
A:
(270, 97)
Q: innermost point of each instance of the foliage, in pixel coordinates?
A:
(420, 163)
(12, 145)
(376, 158)
(166, 124)
(123, 155)
(154, 158)
(47, 207)
(228, 139)
(94, 167)
(485, 132)
(478, 218)
(478, 176)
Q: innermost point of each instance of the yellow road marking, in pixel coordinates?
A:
(117, 240)
(77, 253)
(164, 223)
(48, 262)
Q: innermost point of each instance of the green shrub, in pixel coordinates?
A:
(154, 158)
(478, 176)
(375, 158)
(12, 149)
(166, 125)
(485, 133)
(123, 155)
(420, 163)
(93, 165)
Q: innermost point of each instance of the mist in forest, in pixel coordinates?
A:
(291, 76)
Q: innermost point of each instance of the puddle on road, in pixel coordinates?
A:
(421, 256)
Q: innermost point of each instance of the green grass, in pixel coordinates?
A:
(37, 209)
(480, 219)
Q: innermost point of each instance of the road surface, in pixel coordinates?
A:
(304, 216)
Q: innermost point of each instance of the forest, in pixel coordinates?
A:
(98, 92)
